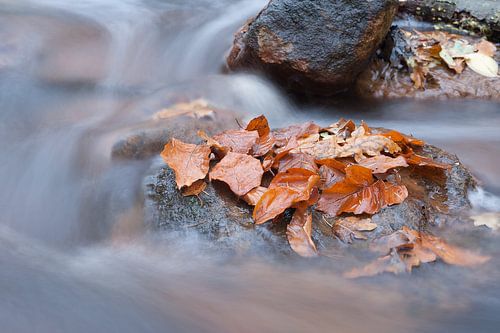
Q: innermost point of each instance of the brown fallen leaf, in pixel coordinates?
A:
(358, 193)
(417, 160)
(299, 232)
(349, 228)
(329, 176)
(298, 160)
(412, 248)
(391, 263)
(259, 124)
(382, 163)
(240, 171)
(237, 141)
(253, 197)
(285, 190)
(266, 139)
(283, 135)
(195, 189)
(487, 48)
(190, 162)
(403, 139)
(343, 128)
(360, 143)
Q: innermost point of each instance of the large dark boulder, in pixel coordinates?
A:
(313, 46)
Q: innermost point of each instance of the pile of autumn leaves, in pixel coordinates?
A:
(434, 48)
(341, 171)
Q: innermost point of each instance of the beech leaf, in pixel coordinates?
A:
(349, 228)
(381, 163)
(190, 162)
(240, 171)
(253, 197)
(195, 189)
(299, 232)
(482, 64)
(238, 141)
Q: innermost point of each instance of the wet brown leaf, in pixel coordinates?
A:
(414, 159)
(358, 193)
(190, 162)
(403, 139)
(285, 190)
(195, 189)
(253, 197)
(283, 135)
(298, 161)
(381, 163)
(259, 124)
(299, 232)
(329, 176)
(360, 144)
(349, 228)
(241, 172)
(266, 139)
(237, 141)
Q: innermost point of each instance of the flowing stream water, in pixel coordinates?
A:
(76, 74)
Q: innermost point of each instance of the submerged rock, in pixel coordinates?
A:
(313, 46)
(435, 197)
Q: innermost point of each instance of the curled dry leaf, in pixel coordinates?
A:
(190, 162)
(358, 193)
(266, 140)
(237, 141)
(299, 232)
(259, 124)
(195, 189)
(381, 163)
(349, 228)
(240, 171)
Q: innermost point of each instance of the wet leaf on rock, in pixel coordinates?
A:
(195, 189)
(237, 141)
(349, 228)
(381, 163)
(241, 172)
(190, 162)
(299, 232)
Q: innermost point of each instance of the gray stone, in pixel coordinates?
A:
(313, 46)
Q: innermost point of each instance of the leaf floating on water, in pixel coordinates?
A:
(410, 248)
(299, 232)
(190, 162)
(241, 172)
(482, 64)
(349, 228)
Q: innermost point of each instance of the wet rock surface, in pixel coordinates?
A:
(316, 47)
(435, 198)
(388, 76)
(477, 17)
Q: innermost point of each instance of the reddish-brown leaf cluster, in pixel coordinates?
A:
(337, 170)
(408, 248)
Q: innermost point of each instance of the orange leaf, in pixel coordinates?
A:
(190, 162)
(298, 160)
(382, 163)
(285, 190)
(414, 159)
(283, 135)
(238, 141)
(259, 124)
(253, 197)
(195, 189)
(358, 194)
(403, 139)
(299, 232)
(241, 172)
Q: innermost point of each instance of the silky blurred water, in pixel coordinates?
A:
(75, 74)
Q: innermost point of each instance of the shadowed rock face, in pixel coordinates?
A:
(435, 197)
(313, 46)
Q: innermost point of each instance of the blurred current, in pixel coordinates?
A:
(73, 74)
